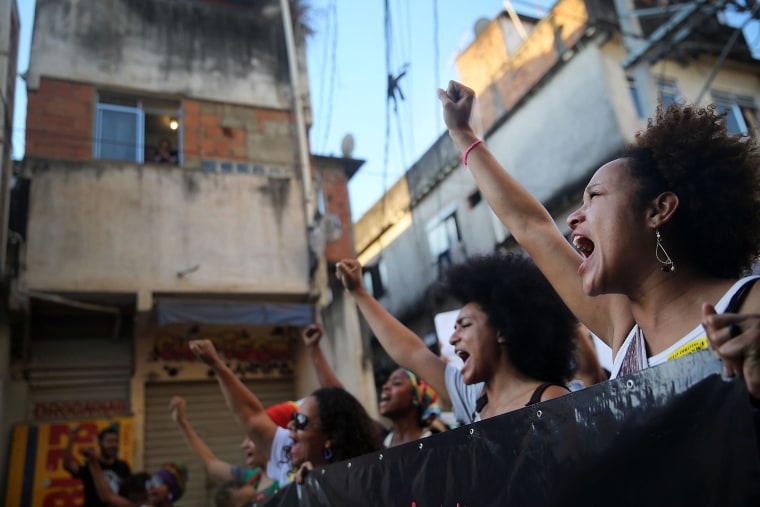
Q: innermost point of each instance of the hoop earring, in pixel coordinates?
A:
(328, 454)
(666, 263)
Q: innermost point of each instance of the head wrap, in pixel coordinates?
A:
(175, 477)
(281, 412)
(425, 398)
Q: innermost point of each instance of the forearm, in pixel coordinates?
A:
(246, 407)
(404, 347)
(69, 463)
(216, 468)
(325, 374)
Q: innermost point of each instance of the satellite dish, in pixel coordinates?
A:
(347, 146)
(480, 25)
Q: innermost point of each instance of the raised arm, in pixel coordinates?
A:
(404, 347)
(312, 334)
(217, 469)
(246, 407)
(70, 464)
(104, 491)
(529, 222)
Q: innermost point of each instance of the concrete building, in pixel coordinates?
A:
(552, 109)
(164, 197)
(9, 40)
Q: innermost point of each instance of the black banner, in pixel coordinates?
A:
(677, 434)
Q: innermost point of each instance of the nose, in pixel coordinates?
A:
(454, 338)
(575, 218)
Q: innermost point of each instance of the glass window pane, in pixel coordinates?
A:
(118, 134)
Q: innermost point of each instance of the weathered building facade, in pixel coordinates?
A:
(551, 109)
(164, 198)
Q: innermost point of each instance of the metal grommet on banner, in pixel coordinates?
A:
(380, 457)
(323, 471)
(629, 383)
(472, 431)
(349, 465)
(539, 414)
(420, 445)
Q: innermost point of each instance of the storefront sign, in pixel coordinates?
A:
(89, 409)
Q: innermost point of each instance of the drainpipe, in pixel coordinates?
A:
(303, 146)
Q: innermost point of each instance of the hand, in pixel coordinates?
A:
(312, 334)
(205, 351)
(177, 408)
(90, 454)
(303, 471)
(735, 339)
(349, 272)
(457, 102)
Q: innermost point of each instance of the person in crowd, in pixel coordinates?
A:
(587, 370)
(513, 333)
(113, 468)
(164, 487)
(662, 238)
(407, 400)
(330, 425)
(252, 482)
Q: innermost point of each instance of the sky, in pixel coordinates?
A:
(348, 78)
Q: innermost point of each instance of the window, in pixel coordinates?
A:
(667, 92)
(374, 278)
(635, 97)
(444, 240)
(137, 130)
(741, 112)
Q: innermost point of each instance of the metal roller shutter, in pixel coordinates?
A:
(211, 419)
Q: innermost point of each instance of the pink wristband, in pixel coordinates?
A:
(468, 150)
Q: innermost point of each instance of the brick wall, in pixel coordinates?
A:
(59, 120)
(236, 133)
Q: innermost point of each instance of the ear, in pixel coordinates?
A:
(662, 208)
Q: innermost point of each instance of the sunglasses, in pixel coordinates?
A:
(154, 481)
(299, 420)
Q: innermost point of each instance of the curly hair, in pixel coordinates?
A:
(343, 417)
(687, 150)
(520, 303)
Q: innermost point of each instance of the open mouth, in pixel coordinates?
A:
(464, 356)
(584, 245)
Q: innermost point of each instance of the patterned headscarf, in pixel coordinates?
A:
(175, 477)
(425, 398)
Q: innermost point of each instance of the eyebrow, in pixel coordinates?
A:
(592, 185)
(460, 319)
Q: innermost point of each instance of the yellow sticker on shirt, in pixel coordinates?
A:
(693, 346)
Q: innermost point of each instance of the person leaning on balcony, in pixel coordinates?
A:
(662, 238)
(407, 400)
(112, 467)
(513, 333)
(329, 426)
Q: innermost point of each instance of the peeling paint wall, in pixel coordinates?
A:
(134, 228)
(225, 51)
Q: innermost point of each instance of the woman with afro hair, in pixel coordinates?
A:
(662, 239)
(513, 333)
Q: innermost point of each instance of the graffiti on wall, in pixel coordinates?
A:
(254, 349)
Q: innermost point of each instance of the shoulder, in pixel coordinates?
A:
(554, 391)
(752, 301)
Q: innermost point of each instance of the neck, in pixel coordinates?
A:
(507, 390)
(667, 305)
(406, 427)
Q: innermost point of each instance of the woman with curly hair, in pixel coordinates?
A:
(329, 426)
(663, 236)
(513, 333)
